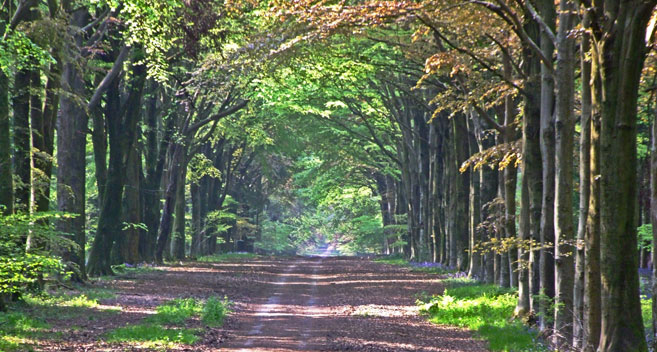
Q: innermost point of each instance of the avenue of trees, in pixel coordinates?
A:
(512, 140)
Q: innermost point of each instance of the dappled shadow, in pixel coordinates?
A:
(338, 304)
(280, 304)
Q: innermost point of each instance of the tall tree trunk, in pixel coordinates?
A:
(197, 228)
(176, 151)
(43, 161)
(532, 168)
(71, 146)
(475, 266)
(546, 256)
(653, 221)
(593, 288)
(121, 131)
(132, 211)
(22, 147)
(564, 146)
(462, 184)
(6, 179)
(155, 158)
(522, 307)
(178, 239)
(509, 191)
(619, 49)
(579, 327)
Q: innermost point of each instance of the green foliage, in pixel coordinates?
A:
(20, 271)
(201, 166)
(276, 238)
(220, 221)
(645, 237)
(486, 309)
(646, 312)
(153, 336)
(215, 311)
(164, 329)
(18, 52)
(176, 311)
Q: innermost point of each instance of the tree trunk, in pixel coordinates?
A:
(653, 221)
(132, 208)
(462, 185)
(620, 51)
(71, 146)
(564, 146)
(121, 132)
(178, 239)
(579, 327)
(22, 160)
(6, 179)
(475, 267)
(546, 256)
(532, 168)
(593, 288)
(166, 221)
(155, 158)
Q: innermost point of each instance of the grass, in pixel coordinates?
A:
(153, 335)
(485, 309)
(27, 322)
(226, 257)
(176, 311)
(18, 331)
(166, 328)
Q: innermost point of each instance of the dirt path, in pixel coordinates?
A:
(284, 304)
(341, 304)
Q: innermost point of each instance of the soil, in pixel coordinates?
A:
(281, 304)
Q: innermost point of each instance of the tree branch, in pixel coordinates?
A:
(221, 114)
(109, 77)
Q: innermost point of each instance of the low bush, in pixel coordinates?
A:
(485, 309)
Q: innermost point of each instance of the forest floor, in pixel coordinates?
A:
(279, 304)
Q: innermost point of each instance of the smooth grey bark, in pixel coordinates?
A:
(564, 147)
(547, 12)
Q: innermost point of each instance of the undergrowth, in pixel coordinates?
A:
(226, 257)
(485, 309)
(153, 335)
(32, 318)
(166, 328)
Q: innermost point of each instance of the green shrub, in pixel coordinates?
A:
(176, 311)
(20, 271)
(486, 309)
(215, 311)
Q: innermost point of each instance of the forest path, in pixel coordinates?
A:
(279, 304)
(339, 304)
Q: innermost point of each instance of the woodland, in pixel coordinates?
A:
(512, 141)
